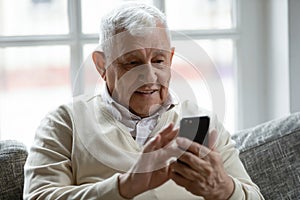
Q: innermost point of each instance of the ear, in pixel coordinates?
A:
(99, 60)
(172, 54)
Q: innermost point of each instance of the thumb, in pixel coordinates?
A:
(212, 139)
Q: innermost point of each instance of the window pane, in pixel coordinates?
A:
(199, 14)
(33, 17)
(34, 80)
(93, 10)
(221, 53)
(88, 49)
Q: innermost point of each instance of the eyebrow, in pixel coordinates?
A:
(156, 52)
(160, 52)
(132, 53)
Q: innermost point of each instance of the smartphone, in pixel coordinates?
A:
(195, 129)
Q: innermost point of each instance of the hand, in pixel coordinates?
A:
(201, 170)
(152, 168)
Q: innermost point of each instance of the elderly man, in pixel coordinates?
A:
(122, 144)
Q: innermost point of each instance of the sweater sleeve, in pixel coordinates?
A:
(48, 169)
(244, 188)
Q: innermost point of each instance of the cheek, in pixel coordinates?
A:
(164, 77)
(125, 84)
(164, 93)
(125, 81)
(110, 79)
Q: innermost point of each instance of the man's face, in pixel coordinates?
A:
(138, 75)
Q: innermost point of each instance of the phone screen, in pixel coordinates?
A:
(195, 128)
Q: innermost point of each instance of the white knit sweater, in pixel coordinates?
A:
(80, 149)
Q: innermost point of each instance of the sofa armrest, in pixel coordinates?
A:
(270, 153)
(13, 155)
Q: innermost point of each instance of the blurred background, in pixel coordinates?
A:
(253, 45)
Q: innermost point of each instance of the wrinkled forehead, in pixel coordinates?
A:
(129, 41)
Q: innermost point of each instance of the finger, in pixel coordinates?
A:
(193, 147)
(185, 171)
(199, 165)
(168, 137)
(153, 144)
(168, 129)
(183, 143)
(212, 139)
(179, 180)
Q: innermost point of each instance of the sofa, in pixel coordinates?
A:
(13, 155)
(270, 153)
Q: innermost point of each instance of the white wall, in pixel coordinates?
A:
(251, 61)
(277, 73)
(263, 72)
(294, 56)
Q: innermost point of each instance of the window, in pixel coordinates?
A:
(33, 17)
(200, 14)
(43, 43)
(31, 87)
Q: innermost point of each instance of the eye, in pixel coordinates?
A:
(134, 62)
(130, 64)
(159, 61)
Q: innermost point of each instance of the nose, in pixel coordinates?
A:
(148, 74)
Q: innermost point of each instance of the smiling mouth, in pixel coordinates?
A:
(146, 92)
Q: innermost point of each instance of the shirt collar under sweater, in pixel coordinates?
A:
(140, 128)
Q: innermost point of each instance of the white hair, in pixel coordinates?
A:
(130, 17)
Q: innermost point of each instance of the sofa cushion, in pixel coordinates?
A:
(270, 153)
(13, 155)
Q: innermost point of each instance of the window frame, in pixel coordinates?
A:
(76, 40)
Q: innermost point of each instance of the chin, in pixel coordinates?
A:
(146, 105)
(145, 110)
